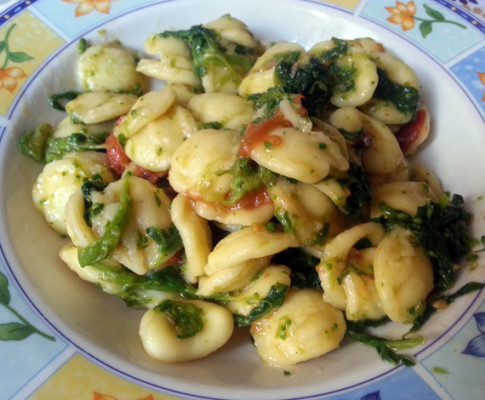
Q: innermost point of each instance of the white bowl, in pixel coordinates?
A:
(104, 329)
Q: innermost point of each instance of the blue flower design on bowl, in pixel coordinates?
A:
(476, 346)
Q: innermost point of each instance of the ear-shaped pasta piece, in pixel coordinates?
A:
(403, 275)
(312, 215)
(363, 81)
(161, 341)
(229, 110)
(403, 196)
(137, 251)
(247, 244)
(250, 296)
(147, 108)
(334, 260)
(421, 174)
(152, 147)
(67, 127)
(94, 107)
(198, 160)
(108, 67)
(254, 208)
(398, 72)
(69, 254)
(233, 30)
(383, 155)
(234, 277)
(195, 234)
(307, 157)
(60, 179)
(304, 327)
(175, 64)
(261, 76)
(363, 301)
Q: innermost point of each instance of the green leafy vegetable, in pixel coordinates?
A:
(211, 58)
(94, 183)
(55, 99)
(104, 246)
(275, 298)
(57, 148)
(302, 265)
(32, 143)
(429, 310)
(441, 229)
(169, 241)
(270, 99)
(360, 193)
(404, 98)
(187, 318)
(247, 176)
(387, 348)
(312, 80)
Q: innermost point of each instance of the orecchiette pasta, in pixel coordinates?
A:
(62, 178)
(267, 187)
(303, 328)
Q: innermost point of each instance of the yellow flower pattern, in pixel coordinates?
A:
(86, 6)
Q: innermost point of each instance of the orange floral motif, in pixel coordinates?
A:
(86, 6)
(481, 76)
(9, 76)
(402, 14)
(100, 396)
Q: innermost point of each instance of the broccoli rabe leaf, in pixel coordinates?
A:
(55, 99)
(95, 183)
(247, 176)
(275, 298)
(211, 58)
(186, 318)
(33, 143)
(404, 98)
(270, 99)
(441, 229)
(429, 309)
(169, 241)
(302, 265)
(104, 246)
(387, 349)
(57, 148)
(360, 193)
(312, 80)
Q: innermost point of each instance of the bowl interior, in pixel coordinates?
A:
(101, 326)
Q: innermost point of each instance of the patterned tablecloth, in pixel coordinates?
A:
(39, 363)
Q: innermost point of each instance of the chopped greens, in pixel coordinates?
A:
(211, 58)
(441, 229)
(302, 265)
(32, 143)
(169, 241)
(57, 148)
(247, 176)
(104, 246)
(360, 193)
(187, 318)
(387, 349)
(404, 98)
(428, 308)
(55, 99)
(275, 298)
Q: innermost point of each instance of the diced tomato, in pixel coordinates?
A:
(252, 200)
(410, 132)
(150, 176)
(117, 158)
(256, 133)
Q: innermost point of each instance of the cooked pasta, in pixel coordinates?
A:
(262, 187)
